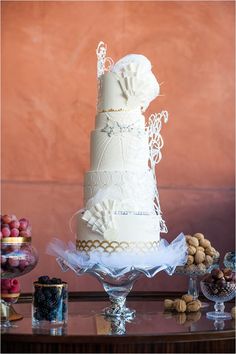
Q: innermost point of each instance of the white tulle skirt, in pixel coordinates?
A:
(166, 257)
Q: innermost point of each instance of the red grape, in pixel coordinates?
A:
(23, 224)
(13, 262)
(6, 232)
(15, 224)
(6, 219)
(15, 232)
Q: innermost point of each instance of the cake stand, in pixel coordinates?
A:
(118, 271)
(193, 276)
(117, 283)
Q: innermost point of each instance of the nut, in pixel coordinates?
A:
(191, 250)
(216, 255)
(205, 243)
(190, 260)
(191, 268)
(199, 257)
(233, 310)
(208, 260)
(201, 267)
(187, 298)
(187, 237)
(199, 236)
(193, 306)
(193, 241)
(217, 273)
(228, 274)
(168, 304)
(180, 305)
(200, 248)
(209, 251)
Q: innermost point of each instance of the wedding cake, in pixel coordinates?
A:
(122, 209)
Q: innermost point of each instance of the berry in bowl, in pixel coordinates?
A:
(18, 256)
(219, 286)
(10, 290)
(50, 302)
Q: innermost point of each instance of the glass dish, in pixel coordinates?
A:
(219, 293)
(18, 257)
(50, 304)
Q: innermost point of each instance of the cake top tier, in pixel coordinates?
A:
(125, 85)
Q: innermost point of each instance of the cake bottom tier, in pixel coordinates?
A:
(132, 230)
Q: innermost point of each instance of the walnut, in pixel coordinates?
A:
(190, 260)
(201, 267)
(199, 257)
(193, 241)
(191, 268)
(187, 237)
(180, 318)
(180, 305)
(168, 304)
(209, 251)
(216, 255)
(208, 261)
(199, 236)
(191, 250)
(233, 310)
(187, 298)
(193, 306)
(200, 248)
(205, 243)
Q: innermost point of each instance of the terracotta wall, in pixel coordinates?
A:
(49, 98)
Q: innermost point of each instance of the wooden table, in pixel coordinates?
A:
(151, 331)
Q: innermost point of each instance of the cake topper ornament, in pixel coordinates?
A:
(102, 60)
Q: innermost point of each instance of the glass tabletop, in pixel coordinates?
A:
(85, 319)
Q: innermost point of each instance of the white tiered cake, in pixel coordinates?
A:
(122, 208)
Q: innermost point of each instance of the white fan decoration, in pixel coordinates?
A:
(100, 218)
(155, 145)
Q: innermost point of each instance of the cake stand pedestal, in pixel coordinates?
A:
(193, 276)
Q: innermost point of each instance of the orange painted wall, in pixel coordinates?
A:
(48, 106)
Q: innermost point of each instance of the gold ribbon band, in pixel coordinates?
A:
(9, 296)
(9, 240)
(64, 284)
(114, 246)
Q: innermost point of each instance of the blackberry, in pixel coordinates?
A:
(47, 293)
(39, 297)
(44, 279)
(55, 281)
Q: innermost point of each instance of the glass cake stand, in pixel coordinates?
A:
(118, 271)
(117, 283)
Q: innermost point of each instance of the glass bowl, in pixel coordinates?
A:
(219, 292)
(229, 261)
(18, 256)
